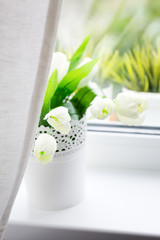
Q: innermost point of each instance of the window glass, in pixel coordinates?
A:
(125, 36)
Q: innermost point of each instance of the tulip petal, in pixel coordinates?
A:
(59, 62)
(130, 121)
(59, 118)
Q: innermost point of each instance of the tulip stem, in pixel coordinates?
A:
(50, 132)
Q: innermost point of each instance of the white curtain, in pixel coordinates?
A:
(27, 36)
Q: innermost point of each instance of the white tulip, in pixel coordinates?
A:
(101, 108)
(59, 118)
(45, 147)
(59, 62)
(89, 77)
(130, 108)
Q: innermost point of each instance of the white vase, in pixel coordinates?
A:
(61, 183)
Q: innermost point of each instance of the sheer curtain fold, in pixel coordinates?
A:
(27, 36)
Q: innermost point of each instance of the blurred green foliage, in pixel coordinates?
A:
(131, 23)
(137, 69)
(115, 27)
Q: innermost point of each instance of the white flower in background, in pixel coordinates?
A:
(59, 62)
(59, 118)
(85, 80)
(101, 108)
(130, 108)
(45, 147)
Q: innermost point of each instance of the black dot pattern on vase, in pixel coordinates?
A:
(68, 142)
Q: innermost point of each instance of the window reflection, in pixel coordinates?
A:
(125, 35)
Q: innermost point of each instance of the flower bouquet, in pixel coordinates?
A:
(55, 175)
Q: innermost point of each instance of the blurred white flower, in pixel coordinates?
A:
(59, 118)
(85, 80)
(130, 108)
(101, 108)
(59, 62)
(45, 147)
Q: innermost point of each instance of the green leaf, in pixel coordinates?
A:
(51, 88)
(78, 54)
(70, 83)
(82, 99)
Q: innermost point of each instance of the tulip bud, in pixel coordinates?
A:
(59, 118)
(101, 108)
(45, 147)
(59, 62)
(130, 108)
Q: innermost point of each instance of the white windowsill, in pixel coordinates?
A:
(118, 200)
